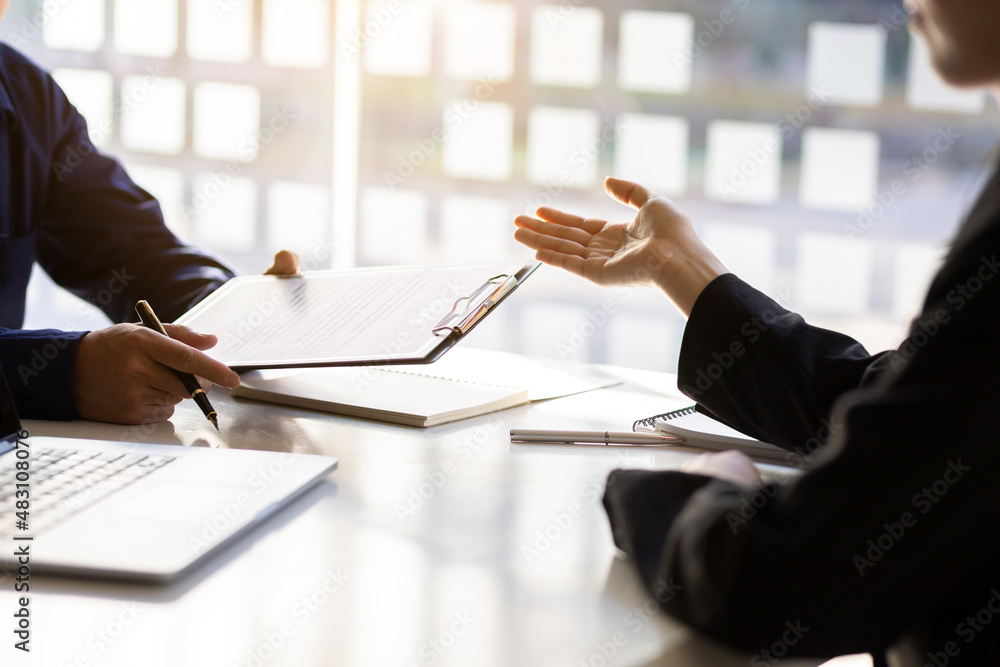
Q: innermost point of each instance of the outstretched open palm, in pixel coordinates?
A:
(603, 252)
(659, 247)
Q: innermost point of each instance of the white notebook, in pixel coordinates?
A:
(466, 382)
(700, 430)
(394, 395)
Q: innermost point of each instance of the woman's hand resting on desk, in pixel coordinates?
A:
(732, 466)
(122, 374)
(658, 248)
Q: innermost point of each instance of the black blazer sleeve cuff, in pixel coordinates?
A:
(761, 368)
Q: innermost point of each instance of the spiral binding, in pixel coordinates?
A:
(674, 414)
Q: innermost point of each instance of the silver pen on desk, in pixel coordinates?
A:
(523, 436)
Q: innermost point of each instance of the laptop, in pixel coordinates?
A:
(129, 511)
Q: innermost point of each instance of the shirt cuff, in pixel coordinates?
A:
(38, 366)
(717, 322)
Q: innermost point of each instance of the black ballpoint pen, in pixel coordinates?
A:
(189, 381)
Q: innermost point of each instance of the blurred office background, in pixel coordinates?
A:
(810, 142)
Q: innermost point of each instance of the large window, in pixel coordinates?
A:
(810, 141)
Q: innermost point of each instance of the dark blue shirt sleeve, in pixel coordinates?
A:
(103, 238)
(87, 224)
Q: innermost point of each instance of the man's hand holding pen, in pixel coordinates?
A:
(128, 373)
(124, 374)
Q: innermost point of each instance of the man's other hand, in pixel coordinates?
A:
(286, 263)
(123, 375)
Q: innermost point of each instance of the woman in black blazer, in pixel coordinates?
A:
(890, 542)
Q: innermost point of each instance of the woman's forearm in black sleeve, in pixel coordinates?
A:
(761, 368)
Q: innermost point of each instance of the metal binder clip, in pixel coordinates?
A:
(470, 309)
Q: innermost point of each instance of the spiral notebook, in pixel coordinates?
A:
(698, 429)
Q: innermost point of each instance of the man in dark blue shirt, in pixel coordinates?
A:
(97, 234)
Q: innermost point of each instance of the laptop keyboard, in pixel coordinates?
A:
(64, 482)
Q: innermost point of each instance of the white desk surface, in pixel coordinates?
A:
(344, 577)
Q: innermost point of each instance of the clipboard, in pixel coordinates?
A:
(358, 317)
